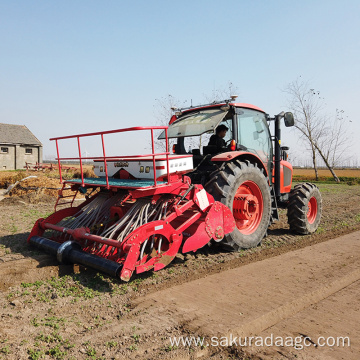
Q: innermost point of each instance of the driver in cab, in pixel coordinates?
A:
(218, 138)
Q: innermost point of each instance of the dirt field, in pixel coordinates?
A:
(325, 173)
(68, 312)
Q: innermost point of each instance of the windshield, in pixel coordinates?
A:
(195, 123)
(253, 133)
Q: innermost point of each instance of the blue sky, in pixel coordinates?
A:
(71, 67)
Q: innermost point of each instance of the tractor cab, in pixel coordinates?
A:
(248, 138)
(248, 132)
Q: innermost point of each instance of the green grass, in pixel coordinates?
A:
(91, 352)
(21, 170)
(111, 344)
(50, 338)
(133, 347)
(56, 353)
(170, 348)
(50, 321)
(75, 286)
(51, 344)
(35, 285)
(11, 227)
(328, 180)
(320, 230)
(5, 350)
(35, 354)
(331, 188)
(36, 214)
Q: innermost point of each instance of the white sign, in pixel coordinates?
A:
(202, 199)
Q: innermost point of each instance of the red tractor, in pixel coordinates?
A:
(141, 210)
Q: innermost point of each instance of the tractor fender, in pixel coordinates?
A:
(241, 155)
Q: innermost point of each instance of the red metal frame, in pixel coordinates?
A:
(204, 221)
(105, 158)
(247, 106)
(231, 155)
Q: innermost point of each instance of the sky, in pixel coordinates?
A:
(69, 67)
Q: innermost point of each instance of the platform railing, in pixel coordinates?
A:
(105, 158)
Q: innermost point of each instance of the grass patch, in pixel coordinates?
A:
(50, 321)
(76, 286)
(11, 227)
(5, 350)
(50, 344)
(320, 230)
(36, 214)
(35, 285)
(111, 344)
(57, 353)
(35, 354)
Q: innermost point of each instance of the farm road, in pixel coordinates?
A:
(311, 292)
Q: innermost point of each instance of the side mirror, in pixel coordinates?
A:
(289, 119)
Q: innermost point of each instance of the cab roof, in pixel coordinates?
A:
(209, 106)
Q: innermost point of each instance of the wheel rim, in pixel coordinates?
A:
(248, 207)
(312, 210)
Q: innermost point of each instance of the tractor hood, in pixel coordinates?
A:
(195, 123)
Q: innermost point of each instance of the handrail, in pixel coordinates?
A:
(114, 157)
(112, 132)
(106, 158)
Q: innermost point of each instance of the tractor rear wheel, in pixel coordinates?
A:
(304, 208)
(244, 189)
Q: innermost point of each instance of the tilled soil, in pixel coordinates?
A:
(261, 296)
(84, 315)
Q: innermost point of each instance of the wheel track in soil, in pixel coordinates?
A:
(299, 242)
(306, 277)
(171, 307)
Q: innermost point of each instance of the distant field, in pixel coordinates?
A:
(300, 174)
(326, 173)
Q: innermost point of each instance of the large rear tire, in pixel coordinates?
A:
(244, 189)
(304, 208)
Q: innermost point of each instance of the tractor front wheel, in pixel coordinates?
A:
(244, 189)
(304, 208)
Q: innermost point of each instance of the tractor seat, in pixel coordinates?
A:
(210, 149)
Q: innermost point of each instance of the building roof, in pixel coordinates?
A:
(17, 134)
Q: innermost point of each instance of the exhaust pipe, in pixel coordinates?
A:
(70, 252)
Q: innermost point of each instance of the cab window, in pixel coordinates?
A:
(253, 133)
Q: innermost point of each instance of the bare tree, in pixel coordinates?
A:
(221, 93)
(325, 138)
(338, 137)
(306, 108)
(163, 112)
(333, 143)
(217, 94)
